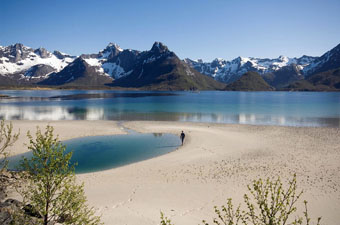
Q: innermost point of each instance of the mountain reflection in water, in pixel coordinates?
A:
(90, 113)
(260, 108)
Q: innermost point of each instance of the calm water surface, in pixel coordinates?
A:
(264, 108)
(98, 153)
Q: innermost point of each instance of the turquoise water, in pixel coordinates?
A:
(264, 108)
(98, 153)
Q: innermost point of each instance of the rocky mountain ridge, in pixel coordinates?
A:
(157, 68)
(18, 59)
(279, 72)
(229, 71)
(21, 65)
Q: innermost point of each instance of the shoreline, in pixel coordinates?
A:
(217, 161)
(116, 127)
(119, 88)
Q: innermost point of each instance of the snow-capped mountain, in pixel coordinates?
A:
(229, 71)
(157, 68)
(22, 65)
(161, 69)
(28, 63)
(78, 73)
(328, 61)
(113, 60)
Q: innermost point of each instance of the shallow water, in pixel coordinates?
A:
(98, 153)
(262, 108)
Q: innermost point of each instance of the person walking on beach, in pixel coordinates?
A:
(182, 137)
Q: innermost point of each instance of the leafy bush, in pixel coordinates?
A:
(165, 220)
(268, 203)
(51, 190)
(7, 139)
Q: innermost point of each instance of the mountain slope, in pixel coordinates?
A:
(284, 76)
(161, 69)
(328, 61)
(279, 72)
(301, 85)
(113, 60)
(250, 81)
(157, 68)
(324, 81)
(330, 78)
(229, 71)
(6, 81)
(78, 73)
(18, 61)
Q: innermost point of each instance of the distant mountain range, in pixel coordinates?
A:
(279, 72)
(156, 69)
(161, 69)
(229, 71)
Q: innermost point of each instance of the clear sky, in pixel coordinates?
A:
(204, 29)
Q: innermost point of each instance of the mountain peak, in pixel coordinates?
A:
(239, 59)
(111, 50)
(283, 58)
(112, 45)
(219, 61)
(80, 59)
(17, 45)
(159, 47)
(61, 55)
(42, 52)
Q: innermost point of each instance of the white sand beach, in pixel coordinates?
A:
(216, 162)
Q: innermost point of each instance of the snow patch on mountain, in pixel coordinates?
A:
(93, 61)
(151, 59)
(329, 60)
(21, 59)
(9, 68)
(227, 71)
(113, 70)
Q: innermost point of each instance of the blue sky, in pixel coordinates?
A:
(191, 28)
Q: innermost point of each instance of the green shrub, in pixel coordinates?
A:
(51, 189)
(268, 203)
(7, 139)
(165, 220)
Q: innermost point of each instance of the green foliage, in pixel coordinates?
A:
(227, 215)
(324, 81)
(250, 81)
(328, 80)
(301, 85)
(51, 188)
(165, 220)
(268, 203)
(7, 139)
